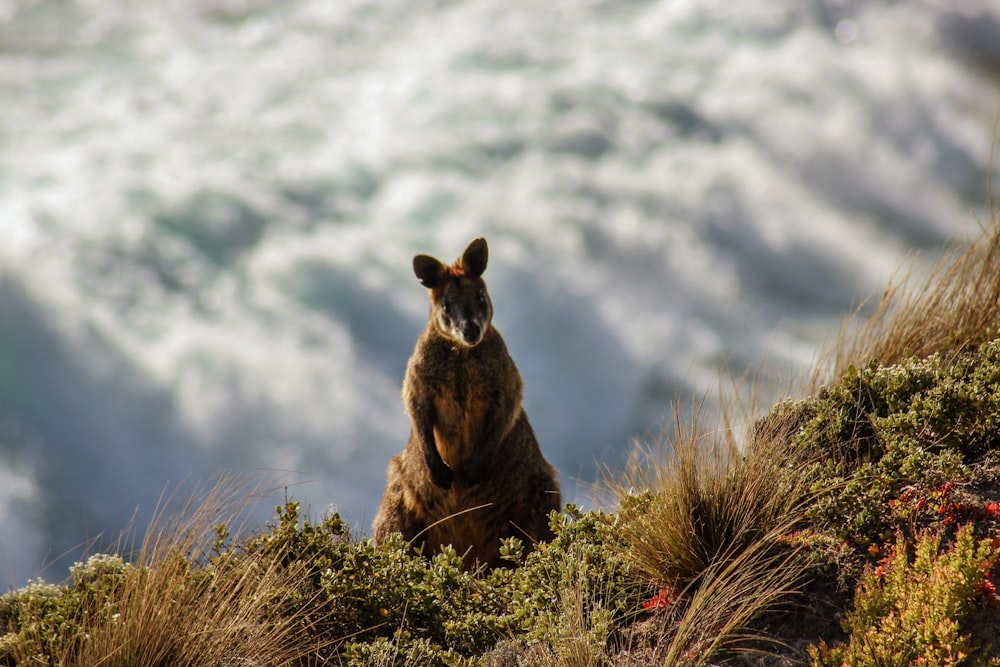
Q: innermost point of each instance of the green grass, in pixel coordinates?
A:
(874, 497)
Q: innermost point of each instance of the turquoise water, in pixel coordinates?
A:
(209, 211)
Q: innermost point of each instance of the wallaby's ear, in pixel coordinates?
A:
(475, 257)
(428, 270)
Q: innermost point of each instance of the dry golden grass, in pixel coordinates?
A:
(730, 595)
(711, 498)
(712, 527)
(584, 631)
(231, 613)
(954, 309)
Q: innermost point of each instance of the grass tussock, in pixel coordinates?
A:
(709, 526)
(705, 499)
(731, 595)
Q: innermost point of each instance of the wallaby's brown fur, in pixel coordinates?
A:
(472, 472)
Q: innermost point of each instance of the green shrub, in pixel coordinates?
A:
(41, 622)
(354, 593)
(350, 601)
(912, 613)
(579, 587)
(384, 604)
(881, 430)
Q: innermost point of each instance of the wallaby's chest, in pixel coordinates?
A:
(462, 407)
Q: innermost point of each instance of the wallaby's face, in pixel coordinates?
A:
(460, 306)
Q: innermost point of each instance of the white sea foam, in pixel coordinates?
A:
(209, 211)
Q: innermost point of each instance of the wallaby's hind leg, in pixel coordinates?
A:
(530, 522)
(393, 515)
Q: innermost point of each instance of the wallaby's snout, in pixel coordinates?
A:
(472, 333)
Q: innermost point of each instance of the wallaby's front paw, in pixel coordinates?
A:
(475, 472)
(441, 475)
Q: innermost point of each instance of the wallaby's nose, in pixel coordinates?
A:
(472, 332)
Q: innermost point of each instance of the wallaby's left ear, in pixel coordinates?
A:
(429, 270)
(475, 257)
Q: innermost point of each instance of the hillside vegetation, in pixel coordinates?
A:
(856, 525)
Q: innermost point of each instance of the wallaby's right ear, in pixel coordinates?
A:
(475, 257)
(428, 270)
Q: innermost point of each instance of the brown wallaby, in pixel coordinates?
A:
(472, 472)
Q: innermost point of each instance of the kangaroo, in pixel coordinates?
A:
(472, 472)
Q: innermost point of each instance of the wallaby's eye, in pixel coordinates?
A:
(482, 297)
(446, 307)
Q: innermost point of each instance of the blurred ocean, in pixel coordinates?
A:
(208, 210)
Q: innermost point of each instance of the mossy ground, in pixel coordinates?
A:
(859, 525)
